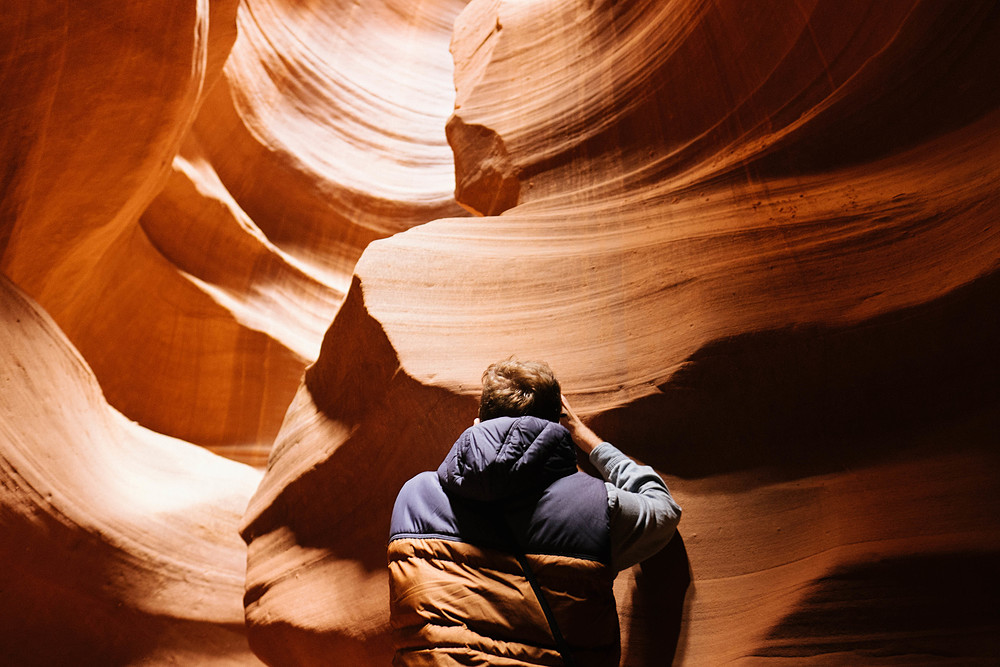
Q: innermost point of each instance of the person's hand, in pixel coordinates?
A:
(582, 435)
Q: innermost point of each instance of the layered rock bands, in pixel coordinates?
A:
(757, 242)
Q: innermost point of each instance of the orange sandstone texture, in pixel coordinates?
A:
(758, 244)
(119, 544)
(328, 124)
(128, 212)
(190, 184)
(99, 99)
(756, 241)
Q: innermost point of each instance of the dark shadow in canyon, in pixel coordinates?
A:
(397, 427)
(788, 403)
(69, 600)
(810, 400)
(794, 402)
(938, 75)
(937, 608)
(661, 585)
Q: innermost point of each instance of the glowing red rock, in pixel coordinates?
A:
(739, 236)
(756, 241)
(120, 544)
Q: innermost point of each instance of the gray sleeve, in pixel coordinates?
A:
(643, 514)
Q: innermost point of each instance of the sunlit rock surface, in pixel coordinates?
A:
(191, 216)
(159, 203)
(756, 241)
(119, 544)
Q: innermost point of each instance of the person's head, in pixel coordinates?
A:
(514, 388)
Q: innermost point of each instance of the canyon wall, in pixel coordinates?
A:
(756, 241)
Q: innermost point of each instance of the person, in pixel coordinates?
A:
(506, 555)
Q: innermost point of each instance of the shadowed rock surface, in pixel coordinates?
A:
(756, 241)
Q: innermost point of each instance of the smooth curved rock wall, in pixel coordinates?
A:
(119, 544)
(124, 214)
(743, 238)
(757, 242)
(191, 215)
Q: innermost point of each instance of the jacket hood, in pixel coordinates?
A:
(507, 456)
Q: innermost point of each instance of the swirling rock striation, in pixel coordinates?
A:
(757, 242)
(744, 238)
(120, 544)
(132, 209)
(191, 216)
(327, 126)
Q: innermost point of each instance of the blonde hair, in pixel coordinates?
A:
(514, 388)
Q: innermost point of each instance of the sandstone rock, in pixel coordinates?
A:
(328, 126)
(756, 241)
(102, 108)
(208, 224)
(119, 544)
(742, 237)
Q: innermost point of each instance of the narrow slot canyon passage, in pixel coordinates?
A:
(256, 254)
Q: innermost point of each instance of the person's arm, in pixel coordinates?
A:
(643, 514)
